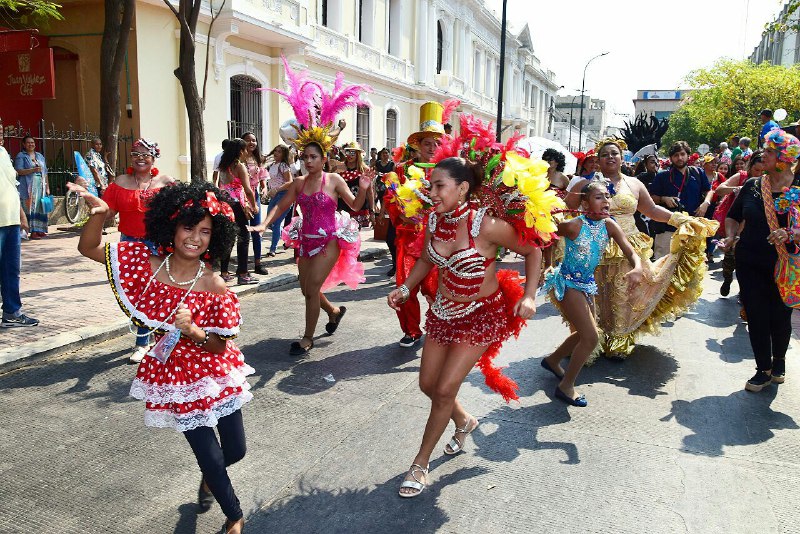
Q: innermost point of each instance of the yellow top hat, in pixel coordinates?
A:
(430, 123)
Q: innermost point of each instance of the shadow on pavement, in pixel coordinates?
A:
(741, 418)
(306, 378)
(359, 510)
(644, 373)
(82, 371)
(505, 444)
(734, 348)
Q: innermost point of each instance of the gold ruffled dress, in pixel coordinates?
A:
(670, 285)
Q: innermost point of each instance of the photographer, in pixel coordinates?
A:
(680, 188)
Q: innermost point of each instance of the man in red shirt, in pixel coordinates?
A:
(410, 234)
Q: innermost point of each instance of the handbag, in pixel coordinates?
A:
(47, 203)
(787, 269)
(381, 227)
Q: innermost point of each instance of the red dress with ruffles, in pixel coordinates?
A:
(193, 387)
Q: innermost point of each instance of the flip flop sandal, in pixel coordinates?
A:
(455, 444)
(417, 485)
(333, 325)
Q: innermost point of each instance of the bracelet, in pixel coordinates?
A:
(405, 292)
(205, 339)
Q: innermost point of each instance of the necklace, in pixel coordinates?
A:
(139, 184)
(172, 313)
(445, 230)
(188, 282)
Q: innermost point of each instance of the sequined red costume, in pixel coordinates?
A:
(409, 242)
(487, 320)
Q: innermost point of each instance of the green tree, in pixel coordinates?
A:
(727, 98)
(28, 13)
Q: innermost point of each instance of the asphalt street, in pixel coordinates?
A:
(670, 441)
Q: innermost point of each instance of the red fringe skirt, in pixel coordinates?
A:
(487, 321)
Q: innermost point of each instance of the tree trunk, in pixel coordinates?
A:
(113, 50)
(187, 15)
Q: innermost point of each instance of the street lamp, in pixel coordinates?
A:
(502, 73)
(583, 85)
(571, 109)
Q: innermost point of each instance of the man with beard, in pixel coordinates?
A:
(678, 188)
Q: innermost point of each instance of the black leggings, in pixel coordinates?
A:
(214, 460)
(769, 320)
(242, 242)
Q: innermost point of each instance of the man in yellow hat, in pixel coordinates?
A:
(410, 235)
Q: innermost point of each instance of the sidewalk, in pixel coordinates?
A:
(70, 296)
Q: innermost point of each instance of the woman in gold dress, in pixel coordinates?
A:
(670, 286)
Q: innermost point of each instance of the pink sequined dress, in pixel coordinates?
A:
(320, 224)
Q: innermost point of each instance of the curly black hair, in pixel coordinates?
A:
(167, 210)
(551, 154)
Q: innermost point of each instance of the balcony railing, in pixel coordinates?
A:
(353, 52)
(290, 15)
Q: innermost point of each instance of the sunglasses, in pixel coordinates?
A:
(136, 155)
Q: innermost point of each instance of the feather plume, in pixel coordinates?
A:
(302, 94)
(449, 107)
(340, 98)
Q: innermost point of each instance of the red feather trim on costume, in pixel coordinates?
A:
(511, 289)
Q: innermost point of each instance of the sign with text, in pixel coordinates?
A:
(661, 95)
(27, 74)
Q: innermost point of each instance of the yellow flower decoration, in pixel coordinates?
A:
(317, 134)
(519, 169)
(415, 172)
(408, 195)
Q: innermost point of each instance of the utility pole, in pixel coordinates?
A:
(502, 71)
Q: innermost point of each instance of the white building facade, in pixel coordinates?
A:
(780, 47)
(409, 51)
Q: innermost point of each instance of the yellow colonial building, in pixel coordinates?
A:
(409, 51)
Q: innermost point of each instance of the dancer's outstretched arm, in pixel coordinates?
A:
(91, 241)
(287, 200)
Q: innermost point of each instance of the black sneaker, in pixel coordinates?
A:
(726, 286)
(759, 381)
(778, 370)
(12, 321)
(408, 341)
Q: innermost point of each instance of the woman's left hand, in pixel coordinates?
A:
(526, 307)
(183, 320)
(634, 278)
(778, 236)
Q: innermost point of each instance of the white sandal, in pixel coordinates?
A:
(455, 444)
(415, 484)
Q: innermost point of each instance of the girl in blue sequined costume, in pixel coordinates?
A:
(571, 285)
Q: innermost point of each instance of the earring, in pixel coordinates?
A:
(207, 256)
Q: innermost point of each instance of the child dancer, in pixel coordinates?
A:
(572, 284)
(193, 380)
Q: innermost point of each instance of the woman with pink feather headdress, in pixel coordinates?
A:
(328, 242)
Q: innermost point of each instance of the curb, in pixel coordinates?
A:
(34, 352)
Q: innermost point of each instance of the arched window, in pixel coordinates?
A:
(439, 47)
(246, 113)
(391, 128)
(362, 126)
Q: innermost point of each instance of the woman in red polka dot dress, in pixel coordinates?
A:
(193, 380)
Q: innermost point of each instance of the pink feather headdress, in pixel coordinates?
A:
(315, 108)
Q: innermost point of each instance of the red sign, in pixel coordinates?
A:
(27, 75)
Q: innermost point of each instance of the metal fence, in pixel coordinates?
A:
(57, 147)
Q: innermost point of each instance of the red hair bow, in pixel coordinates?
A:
(212, 204)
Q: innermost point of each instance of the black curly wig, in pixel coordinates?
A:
(551, 154)
(166, 211)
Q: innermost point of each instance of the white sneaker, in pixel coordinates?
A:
(137, 355)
